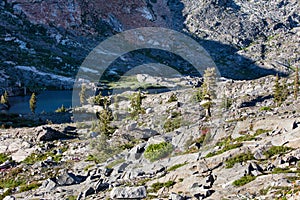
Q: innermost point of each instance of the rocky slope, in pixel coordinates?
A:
(248, 149)
(246, 39)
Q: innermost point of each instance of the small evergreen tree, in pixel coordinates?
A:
(208, 90)
(32, 103)
(296, 83)
(136, 105)
(226, 102)
(82, 94)
(4, 99)
(105, 117)
(276, 90)
(280, 91)
(210, 83)
(116, 102)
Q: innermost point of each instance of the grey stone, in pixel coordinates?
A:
(93, 134)
(254, 169)
(174, 196)
(295, 125)
(269, 167)
(292, 160)
(9, 198)
(136, 152)
(6, 164)
(131, 127)
(49, 184)
(88, 192)
(66, 179)
(149, 110)
(101, 186)
(46, 133)
(258, 155)
(128, 193)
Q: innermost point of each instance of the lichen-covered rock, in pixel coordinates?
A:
(45, 133)
(128, 193)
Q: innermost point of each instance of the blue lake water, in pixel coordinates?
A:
(47, 101)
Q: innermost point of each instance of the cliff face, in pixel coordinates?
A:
(88, 17)
(246, 39)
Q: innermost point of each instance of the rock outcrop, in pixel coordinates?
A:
(245, 39)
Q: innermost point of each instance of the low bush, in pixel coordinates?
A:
(238, 159)
(224, 149)
(3, 157)
(157, 151)
(274, 150)
(30, 186)
(244, 180)
(158, 185)
(265, 108)
(172, 124)
(172, 98)
(174, 167)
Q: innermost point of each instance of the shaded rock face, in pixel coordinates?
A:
(245, 39)
(83, 16)
(45, 133)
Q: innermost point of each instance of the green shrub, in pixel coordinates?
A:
(238, 159)
(172, 124)
(158, 185)
(244, 180)
(245, 138)
(30, 186)
(92, 158)
(274, 150)
(71, 198)
(278, 170)
(10, 182)
(197, 96)
(7, 193)
(3, 158)
(264, 191)
(114, 163)
(172, 98)
(157, 151)
(261, 131)
(174, 167)
(226, 102)
(61, 109)
(265, 108)
(224, 149)
(34, 157)
(104, 150)
(86, 168)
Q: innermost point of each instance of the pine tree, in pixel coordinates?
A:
(32, 103)
(280, 91)
(276, 91)
(209, 84)
(116, 102)
(105, 116)
(208, 90)
(136, 104)
(4, 99)
(296, 84)
(82, 95)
